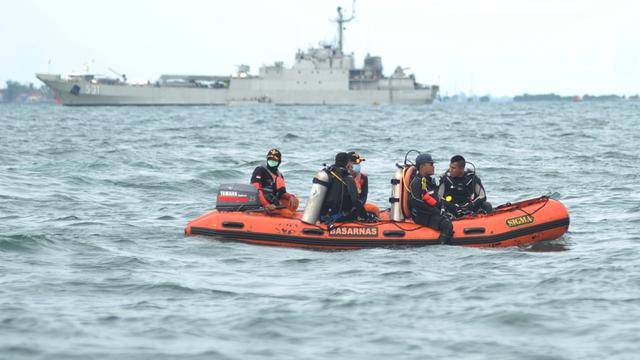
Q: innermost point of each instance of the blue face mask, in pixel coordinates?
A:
(356, 168)
(273, 163)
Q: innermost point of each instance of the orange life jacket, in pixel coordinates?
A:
(278, 179)
(359, 181)
(277, 189)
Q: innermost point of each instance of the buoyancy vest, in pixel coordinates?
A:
(459, 188)
(423, 197)
(338, 197)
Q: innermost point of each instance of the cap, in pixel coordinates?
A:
(355, 157)
(423, 159)
(342, 158)
(274, 154)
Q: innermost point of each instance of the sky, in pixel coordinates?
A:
(497, 47)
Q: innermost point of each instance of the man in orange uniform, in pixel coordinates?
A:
(362, 182)
(271, 187)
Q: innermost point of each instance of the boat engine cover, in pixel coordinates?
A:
(237, 197)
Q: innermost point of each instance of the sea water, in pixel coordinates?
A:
(94, 263)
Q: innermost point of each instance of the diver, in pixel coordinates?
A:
(272, 190)
(462, 190)
(426, 206)
(362, 182)
(341, 202)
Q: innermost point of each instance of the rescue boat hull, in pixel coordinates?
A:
(521, 223)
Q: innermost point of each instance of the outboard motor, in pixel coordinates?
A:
(396, 195)
(237, 197)
(316, 198)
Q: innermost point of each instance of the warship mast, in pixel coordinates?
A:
(341, 21)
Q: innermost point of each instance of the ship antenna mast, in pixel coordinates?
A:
(341, 21)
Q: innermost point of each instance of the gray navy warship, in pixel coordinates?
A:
(324, 75)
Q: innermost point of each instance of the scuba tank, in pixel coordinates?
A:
(316, 198)
(396, 194)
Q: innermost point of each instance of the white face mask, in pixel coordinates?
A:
(356, 168)
(273, 163)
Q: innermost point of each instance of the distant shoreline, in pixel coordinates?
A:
(17, 93)
(575, 98)
(464, 98)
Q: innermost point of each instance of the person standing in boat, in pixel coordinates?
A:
(462, 190)
(362, 182)
(426, 206)
(271, 187)
(341, 201)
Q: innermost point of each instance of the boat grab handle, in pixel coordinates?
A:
(233, 224)
(475, 230)
(394, 233)
(308, 231)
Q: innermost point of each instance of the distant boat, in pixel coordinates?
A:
(323, 75)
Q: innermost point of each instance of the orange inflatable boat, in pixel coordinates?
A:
(520, 223)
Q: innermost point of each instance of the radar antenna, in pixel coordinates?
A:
(341, 21)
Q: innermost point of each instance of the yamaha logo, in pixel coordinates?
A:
(228, 193)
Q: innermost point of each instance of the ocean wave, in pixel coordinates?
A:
(25, 243)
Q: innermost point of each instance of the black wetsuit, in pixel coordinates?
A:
(341, 202)
(466, 192)
(428, 215)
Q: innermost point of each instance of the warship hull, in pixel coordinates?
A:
(85, 93)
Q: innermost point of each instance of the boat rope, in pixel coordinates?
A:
(546, 201)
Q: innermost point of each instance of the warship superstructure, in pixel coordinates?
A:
(323, 75)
